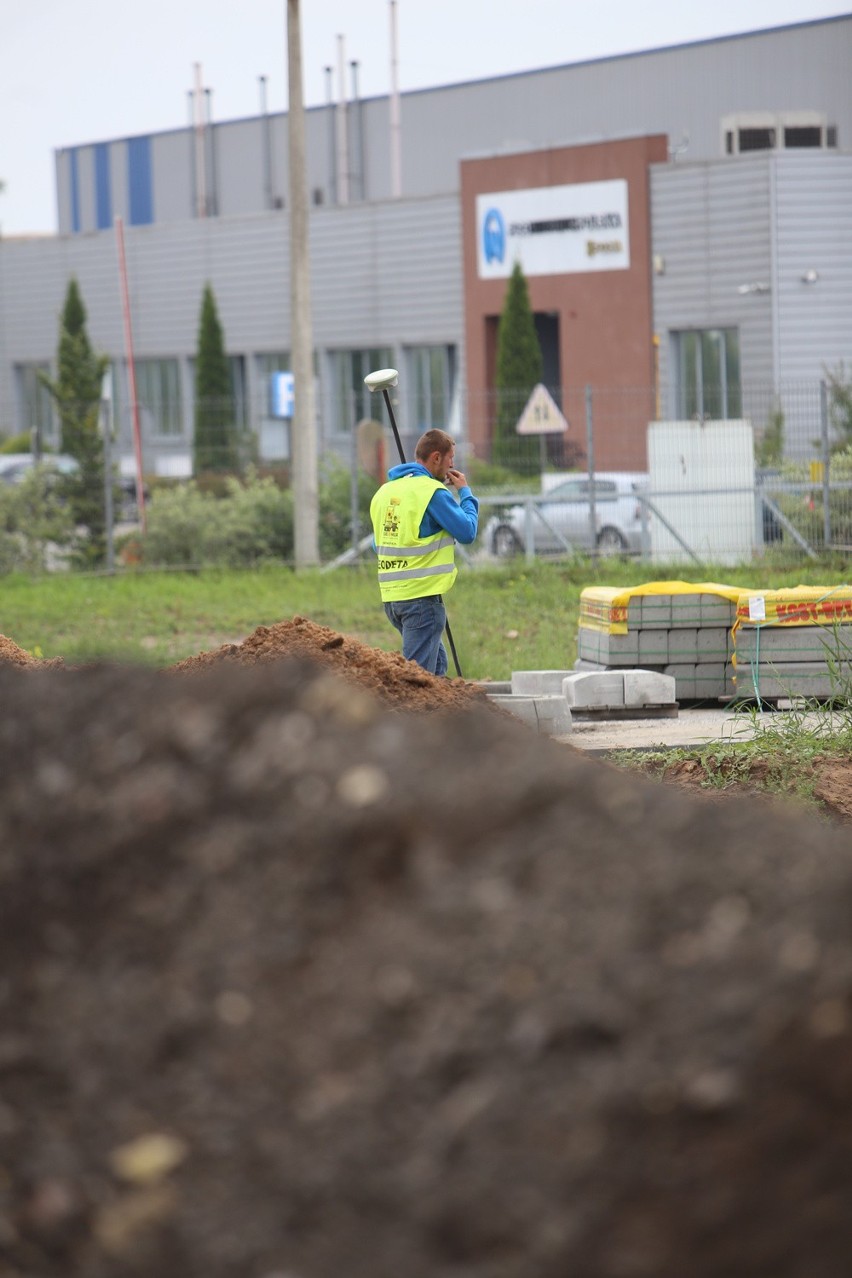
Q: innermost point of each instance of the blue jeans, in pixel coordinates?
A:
(421, 623)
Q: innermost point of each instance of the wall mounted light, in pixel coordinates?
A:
(810, 277)
(758, 287)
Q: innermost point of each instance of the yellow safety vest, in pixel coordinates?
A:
(410, 566)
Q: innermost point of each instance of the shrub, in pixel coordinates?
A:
(250, 523)
(35, 523)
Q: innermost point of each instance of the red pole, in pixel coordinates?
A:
(131, 369)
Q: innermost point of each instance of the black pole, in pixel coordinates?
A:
(450, 640)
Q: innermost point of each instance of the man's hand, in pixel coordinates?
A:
(456, 479)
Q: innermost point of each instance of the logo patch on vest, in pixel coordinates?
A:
(391, 524)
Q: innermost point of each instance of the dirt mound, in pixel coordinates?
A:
(770, 779)
(295, 985)
(397, 681)
(12, 655)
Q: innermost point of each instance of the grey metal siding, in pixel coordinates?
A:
(683, 91)
(239, 167)
(86, 187)
(813, 233)
(120, 181)
(390, 278)
(709, 230)
(388, 272)
(173, 180)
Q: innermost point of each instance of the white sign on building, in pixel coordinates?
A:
(554, 230)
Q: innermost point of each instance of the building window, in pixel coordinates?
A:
(158, 391)
(351, 399)
(707, 369)
(764, 131)
(757, 139)
(237, 372)
(807, 135)
(267, 364)
(429, 386)
(36, 411)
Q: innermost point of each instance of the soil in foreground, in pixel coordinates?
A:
(296, 983)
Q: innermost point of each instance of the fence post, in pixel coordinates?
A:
(826, 464)
(106, 427)
(353, 485)
(590, 457)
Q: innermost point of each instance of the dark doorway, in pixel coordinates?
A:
(559, 451)
(547, 332)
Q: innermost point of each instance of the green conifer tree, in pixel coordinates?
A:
(76, 393)
(215, 438)
(519, 369)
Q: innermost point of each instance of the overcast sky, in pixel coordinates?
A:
(93, 70)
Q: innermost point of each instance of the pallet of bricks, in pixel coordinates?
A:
(794, 644)
(721, 642)
(678, 628)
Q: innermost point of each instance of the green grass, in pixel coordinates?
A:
(503, 618)
(782, 757)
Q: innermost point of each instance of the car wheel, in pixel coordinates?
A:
(611, 542)
(504, 542)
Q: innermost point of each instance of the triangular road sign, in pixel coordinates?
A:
(541, 416)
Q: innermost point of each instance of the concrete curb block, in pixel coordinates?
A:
(549, 716)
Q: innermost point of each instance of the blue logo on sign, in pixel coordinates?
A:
(494, 236)
(281, 394)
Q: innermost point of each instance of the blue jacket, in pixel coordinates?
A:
(459, 518)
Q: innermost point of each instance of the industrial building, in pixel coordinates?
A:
(683, 217)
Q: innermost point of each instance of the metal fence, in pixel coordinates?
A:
(613, 470)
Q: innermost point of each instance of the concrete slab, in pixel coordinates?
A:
(648, 688)
(617, 650)
(712, 643)
(686, 611)
(793, 679)
(692, 729)
(683, 646)
(653, 647)
(655, 612)
(549, 716)
(594, 689)
(794, 643)
(538, 683)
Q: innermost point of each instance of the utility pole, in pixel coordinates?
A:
(303, 443)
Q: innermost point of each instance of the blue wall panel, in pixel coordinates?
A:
(140, 186)
(103, 187)
(75, 191)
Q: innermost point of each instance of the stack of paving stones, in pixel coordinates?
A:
(804, 651)
(685, 636)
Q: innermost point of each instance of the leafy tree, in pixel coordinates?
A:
(215, 438)
(520, 368)
(76, 393)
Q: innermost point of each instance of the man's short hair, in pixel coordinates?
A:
(433, 441)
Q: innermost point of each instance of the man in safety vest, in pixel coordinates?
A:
(416, 522)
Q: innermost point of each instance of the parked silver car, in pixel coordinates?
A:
(14, 467)
(560, 519)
